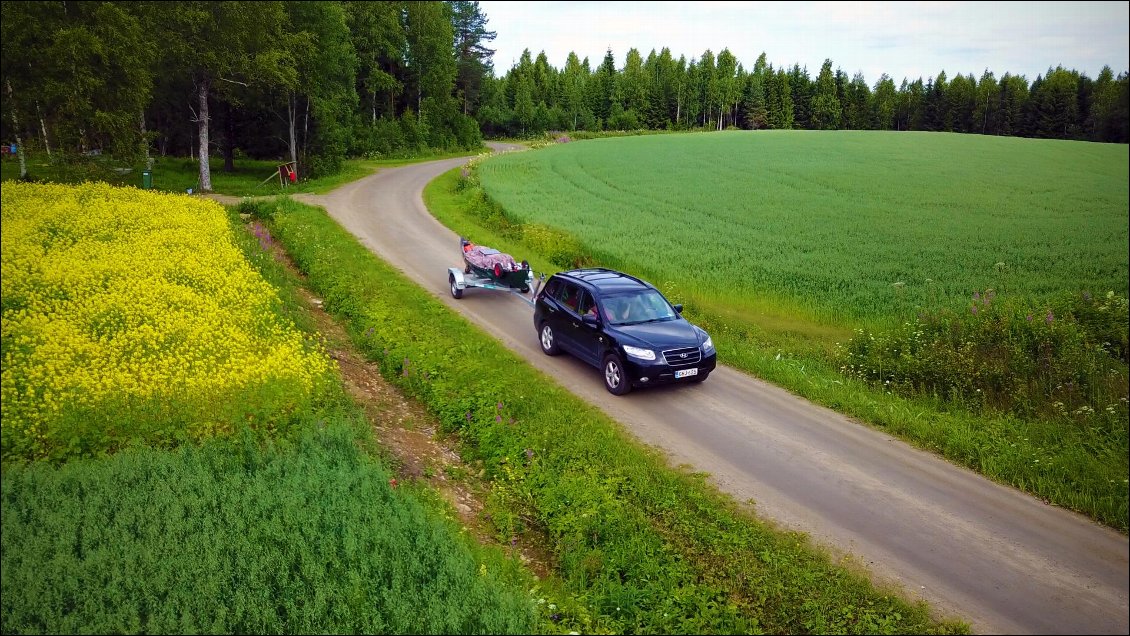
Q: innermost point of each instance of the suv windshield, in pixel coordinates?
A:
(635, 308)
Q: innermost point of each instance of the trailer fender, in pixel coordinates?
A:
(456, 282)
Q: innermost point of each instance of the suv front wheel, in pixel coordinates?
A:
(615, 378)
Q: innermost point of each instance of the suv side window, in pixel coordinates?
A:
(551, 288)
(569, 295)
(586, 305)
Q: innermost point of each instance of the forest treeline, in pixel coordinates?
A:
(316, 82)
(717, 92)
(311, 82)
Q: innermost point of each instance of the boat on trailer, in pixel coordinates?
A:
(488, 268)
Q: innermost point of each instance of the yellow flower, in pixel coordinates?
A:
(117, 298)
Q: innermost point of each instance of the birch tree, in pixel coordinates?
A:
(884, 103)
(221, 45)
(825, 105)
(987, 99)
(726, 92)
(573, 80)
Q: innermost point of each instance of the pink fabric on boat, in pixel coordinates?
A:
(486, 258)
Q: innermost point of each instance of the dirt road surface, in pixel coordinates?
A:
(975, 550)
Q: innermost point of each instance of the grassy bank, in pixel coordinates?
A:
(647, 548)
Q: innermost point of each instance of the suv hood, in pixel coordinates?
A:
(662, 335)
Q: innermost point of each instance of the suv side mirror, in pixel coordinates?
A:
(590, 320)
(679, 308)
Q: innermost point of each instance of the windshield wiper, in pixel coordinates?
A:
(640, 322)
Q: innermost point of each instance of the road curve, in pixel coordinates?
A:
(975, 550)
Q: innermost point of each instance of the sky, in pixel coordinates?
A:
(908, 40)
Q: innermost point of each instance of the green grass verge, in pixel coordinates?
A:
(1082, 468)
(647, 548)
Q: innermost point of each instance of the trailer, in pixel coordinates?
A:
(488, 268)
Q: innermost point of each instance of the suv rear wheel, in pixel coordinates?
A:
(615, 378)
(548, 340)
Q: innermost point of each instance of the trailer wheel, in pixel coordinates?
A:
(456, 293)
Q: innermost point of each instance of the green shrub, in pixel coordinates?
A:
(256, 209)
(381, 138)
(1062, 357)
(562, 249)
(1104, 319)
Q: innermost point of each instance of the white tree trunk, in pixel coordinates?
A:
(43, 127)
(293, 136)
(16, 132)
(145, 141)
(202, 126)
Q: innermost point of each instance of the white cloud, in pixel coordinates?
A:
(902, 39)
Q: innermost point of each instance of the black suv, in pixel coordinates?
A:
(622, 325)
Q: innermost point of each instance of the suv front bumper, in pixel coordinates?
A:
(658, 371)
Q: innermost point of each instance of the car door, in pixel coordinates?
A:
(545, 306)
(586, 337)
(566, 317)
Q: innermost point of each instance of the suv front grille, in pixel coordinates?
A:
(682, 357)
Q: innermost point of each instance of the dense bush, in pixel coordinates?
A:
(408, 135)
(1062, 357)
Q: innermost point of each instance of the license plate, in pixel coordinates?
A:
(685, 373)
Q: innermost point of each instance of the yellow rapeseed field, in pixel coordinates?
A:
(131, 315)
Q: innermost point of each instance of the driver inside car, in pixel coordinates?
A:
(617, 309)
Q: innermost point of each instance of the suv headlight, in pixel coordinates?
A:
(708, 346)
(637, 352)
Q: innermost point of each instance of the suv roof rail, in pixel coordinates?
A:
(581, 274)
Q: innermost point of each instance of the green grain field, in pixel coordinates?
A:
(835, 225)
